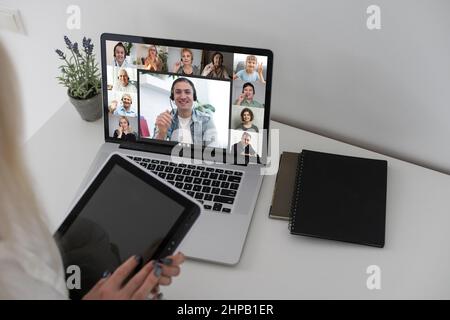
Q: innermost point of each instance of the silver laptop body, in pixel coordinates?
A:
(216, 236)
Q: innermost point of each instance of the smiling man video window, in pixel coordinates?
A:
(185, 124)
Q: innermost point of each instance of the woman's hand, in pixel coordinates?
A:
(209, 67)
(141, 285)
(176, 66)
(241, 98)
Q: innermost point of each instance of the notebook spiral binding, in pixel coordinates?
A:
(297, 192)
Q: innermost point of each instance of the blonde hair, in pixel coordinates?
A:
(250, 58)
(22, 226)
(128, 122)
(187, 50)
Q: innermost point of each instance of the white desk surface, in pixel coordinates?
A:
(415, 262)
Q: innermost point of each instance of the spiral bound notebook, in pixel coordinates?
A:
(340, 198)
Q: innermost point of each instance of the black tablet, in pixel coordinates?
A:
(124, 211)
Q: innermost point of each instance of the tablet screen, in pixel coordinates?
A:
(124, 216)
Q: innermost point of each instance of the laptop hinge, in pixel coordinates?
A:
(222, 157)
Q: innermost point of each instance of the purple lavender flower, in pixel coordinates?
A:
(89, 49)
(68, 42)
(60, 54)
(75, 49)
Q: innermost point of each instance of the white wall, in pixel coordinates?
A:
(387, 90)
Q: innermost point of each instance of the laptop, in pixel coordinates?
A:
(197, 115)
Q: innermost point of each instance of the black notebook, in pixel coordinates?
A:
(340, 198)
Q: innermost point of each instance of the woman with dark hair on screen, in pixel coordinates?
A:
(184, 66)
(216, 69)
(124, 132)
(120, 53)
(152, 62)
(30, 263)
(247, 118)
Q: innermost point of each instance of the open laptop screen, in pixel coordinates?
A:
(170, 92)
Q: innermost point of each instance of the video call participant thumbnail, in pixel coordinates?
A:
(152, 61)
(120, 53)
(247, 118)
(243, 147)
(246, 97)
(185, 124)
(123, 83)
(124, 132)
(250, 73)
(185, 66)
(216, 69)
(125, 108)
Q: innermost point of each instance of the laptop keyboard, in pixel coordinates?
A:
(215, 188)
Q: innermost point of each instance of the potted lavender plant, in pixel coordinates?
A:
(80, 74)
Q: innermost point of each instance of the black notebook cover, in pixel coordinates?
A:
(340, 198)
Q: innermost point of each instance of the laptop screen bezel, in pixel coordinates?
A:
(166, 145)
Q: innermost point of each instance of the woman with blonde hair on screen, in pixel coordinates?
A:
(30, 263)
(152, 62)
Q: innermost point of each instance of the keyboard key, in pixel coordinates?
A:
(228, 193)
(234, 186)
(131, 157)
(170, 176)
(226, 210)
(191, 193)
(137, 159)
(234, 179)
(197, 180)
(215, 191)
(228, 172)
(238, 173)
(215, 183)
(222, 177)
(171, 182)
(186, 172)
(182, 165)
(155, 161)
(151, 167)
(168, 169)
(179, 178)
(206, 182)
(213, 176)
(145, 160)
(160, 168)
(143, 164)
(177, 170)
(208, 190)
(207, 207)
(210, 169)
(197, 188)
(165, 163)
(172, 164)
(190, 166)
(217, 207)
(219, 170)
(225, 184)
(162, 175)
(187, 186)
(199, 196)
(195, 173)
(201, 168)
(222, 199)
(188, 179)
(179, 185)
(204, 174)
(208, 197)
